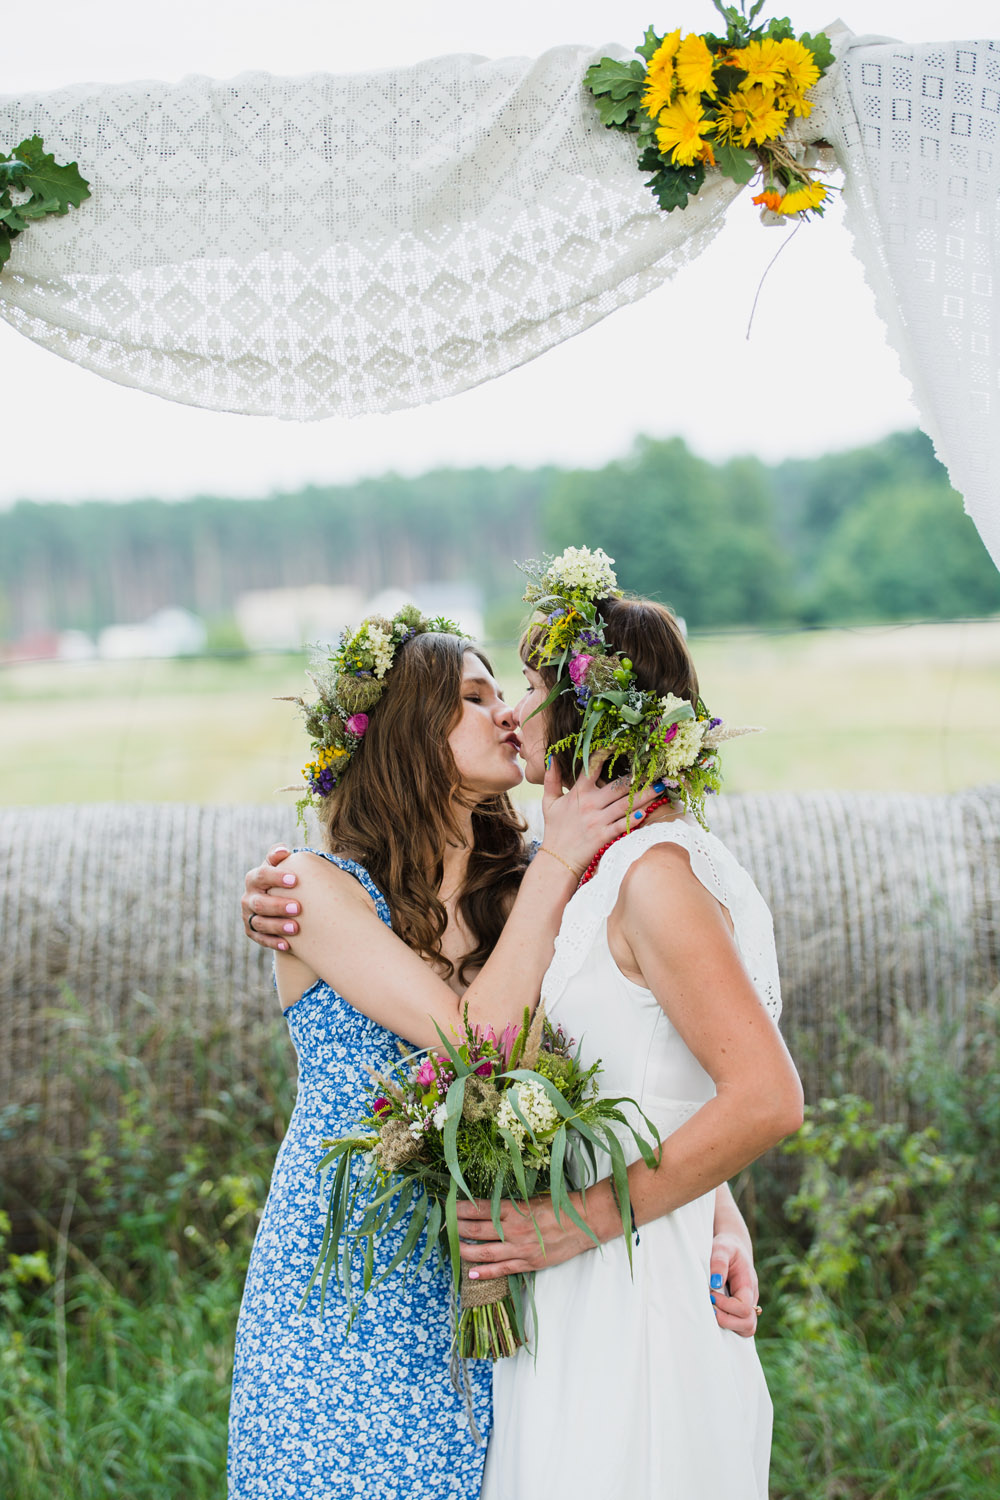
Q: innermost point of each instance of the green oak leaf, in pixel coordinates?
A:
(601, 77)
(819, 46)
(673, 186)
(736, 163)
(780, 29)
(61, 186)
(614, 111)
(650, 44)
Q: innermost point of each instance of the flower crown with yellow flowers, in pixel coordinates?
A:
(658, 738)
(349, 684)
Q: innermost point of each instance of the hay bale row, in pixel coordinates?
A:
(884, 906)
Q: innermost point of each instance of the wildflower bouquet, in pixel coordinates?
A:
(703, 101)
(492, 1117)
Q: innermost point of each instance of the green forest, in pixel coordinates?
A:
(871, 534)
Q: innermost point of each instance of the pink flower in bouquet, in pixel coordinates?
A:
(508, 1037)
(485, 1070)
(357, 724)
(381, 1106)
(578, 668)
(426, 1073)
(671, 734)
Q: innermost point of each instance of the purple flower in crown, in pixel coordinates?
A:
(324, 783)
(591, 638)
(357, 724)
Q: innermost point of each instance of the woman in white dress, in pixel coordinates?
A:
(664, 969)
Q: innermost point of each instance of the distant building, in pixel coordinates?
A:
(287, 619)
(169, 632)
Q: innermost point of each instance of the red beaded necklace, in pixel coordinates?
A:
(591, 869)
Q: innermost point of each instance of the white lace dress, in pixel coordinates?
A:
(636, 1392)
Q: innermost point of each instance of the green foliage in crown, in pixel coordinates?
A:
(651, 738)
(349, 684)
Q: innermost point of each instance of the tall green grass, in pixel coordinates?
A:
(123, 1263)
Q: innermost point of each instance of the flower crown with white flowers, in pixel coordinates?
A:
(660, 739)
(349, 684)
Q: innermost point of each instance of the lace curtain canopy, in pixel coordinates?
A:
(332, 245)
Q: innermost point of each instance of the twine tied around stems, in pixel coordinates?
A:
(481, 1293)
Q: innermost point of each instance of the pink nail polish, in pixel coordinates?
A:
(283, 947)
(288, 879)
(292, 909)
(288, 927)
(473, 1275)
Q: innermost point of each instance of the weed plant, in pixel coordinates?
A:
(124, 1259)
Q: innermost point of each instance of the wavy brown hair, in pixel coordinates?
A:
(649, 635)
(394, 810)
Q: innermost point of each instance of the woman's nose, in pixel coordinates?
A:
(518, 711)
(505, 715)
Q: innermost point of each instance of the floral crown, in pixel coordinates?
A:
(658, 738)
(349, 684)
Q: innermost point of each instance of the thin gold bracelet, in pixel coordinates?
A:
(542, 849)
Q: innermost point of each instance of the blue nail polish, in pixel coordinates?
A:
(712, 1299)
(715, 1282)
(638, 816)
(659, 786)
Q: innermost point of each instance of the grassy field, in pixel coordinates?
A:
(904, 708)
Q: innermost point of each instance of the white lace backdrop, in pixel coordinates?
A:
(331, 245)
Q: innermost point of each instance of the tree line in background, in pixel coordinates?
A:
(871, 534)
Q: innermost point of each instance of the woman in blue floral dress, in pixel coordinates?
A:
(426, 907)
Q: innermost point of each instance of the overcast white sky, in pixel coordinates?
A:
(816, 374)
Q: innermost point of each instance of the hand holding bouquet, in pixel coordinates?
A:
(492, 1117)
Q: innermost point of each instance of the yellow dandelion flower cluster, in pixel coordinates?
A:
(706, 101)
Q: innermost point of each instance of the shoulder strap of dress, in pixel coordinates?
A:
(594, 902)
(711, 862)
(351, 867)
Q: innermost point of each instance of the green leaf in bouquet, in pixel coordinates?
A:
(517, 1165)
(819, 46)
(454, 1103)
(779, 29)
(619, 1175)
(434, 1215)
(496, 1200)
(650, 43)
(332, 1229)
(672, 186)
(409, 1244)
(369, 1267)
(522, 1290)
(459, 1064)
(736, 163)
(451, 1225)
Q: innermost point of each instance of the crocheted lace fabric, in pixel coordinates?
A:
(331, 245)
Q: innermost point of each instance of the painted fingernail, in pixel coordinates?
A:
(283, 947)
(715, 1282)
(292, 908)
(712, 1299)
(638, 816)
(288, 927)
(288, 879)
(659, 786)
(473, 1275)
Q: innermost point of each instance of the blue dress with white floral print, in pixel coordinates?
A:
(316, 1415)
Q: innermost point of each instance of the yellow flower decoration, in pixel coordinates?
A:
(799, 65)
(797, 104)
(660, 75)
(681, 128)
(803, 197)
(763, 62)
(694, 66)
(751, 117)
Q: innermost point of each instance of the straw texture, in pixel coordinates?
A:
(884, 906)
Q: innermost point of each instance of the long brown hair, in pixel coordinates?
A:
(649, 635)
(394, 811)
